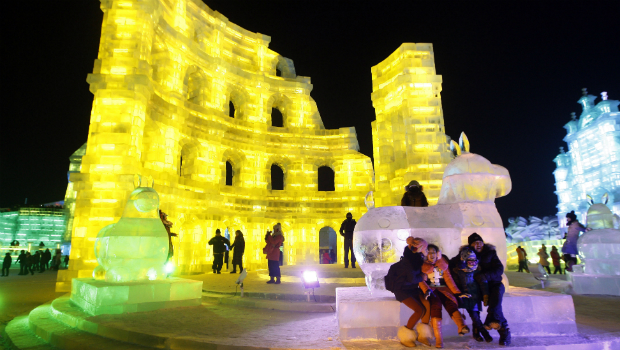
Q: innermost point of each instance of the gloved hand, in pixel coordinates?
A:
(464, 295)
(485, 300)
(428, 293)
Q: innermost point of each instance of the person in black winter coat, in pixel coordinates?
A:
(21, 259)
(492, 269)
(6, 265)
(219, 244)
(474, 289)
(35, 261)
(346, 230)
(46, 256)
(239, 246)
(414, 197)
(407, 291)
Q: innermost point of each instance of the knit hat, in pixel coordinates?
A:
(473, 238)
(413, 183)
(572, 215)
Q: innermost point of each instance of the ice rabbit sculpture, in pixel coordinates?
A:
(466, 205)
(136, 247)
(600, 247)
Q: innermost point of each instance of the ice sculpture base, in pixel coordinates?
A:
(529, 313)
(595, 284)
(100, 297)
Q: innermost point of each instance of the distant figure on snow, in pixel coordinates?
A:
(346, 230)
(239, 246)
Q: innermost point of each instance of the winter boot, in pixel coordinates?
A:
(487, 337)
(504, 336)
(407, 336)
(458, 320)
(436, 321)
(475, 332)
(492, 325)
(425, 333)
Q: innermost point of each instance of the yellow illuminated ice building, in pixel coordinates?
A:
(409, 140)
(185, 96)
(167, 75)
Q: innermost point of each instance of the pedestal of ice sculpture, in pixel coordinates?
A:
(378, 316)
(100, 297)
(600, 252)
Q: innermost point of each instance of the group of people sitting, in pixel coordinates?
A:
(429, 281)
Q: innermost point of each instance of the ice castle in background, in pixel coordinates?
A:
(592, 164)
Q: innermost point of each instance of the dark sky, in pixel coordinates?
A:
(512, 73)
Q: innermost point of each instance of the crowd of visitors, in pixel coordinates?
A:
(39, 261)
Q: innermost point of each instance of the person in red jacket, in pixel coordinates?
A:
(272, 249)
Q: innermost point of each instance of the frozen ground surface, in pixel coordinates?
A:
(597, 317)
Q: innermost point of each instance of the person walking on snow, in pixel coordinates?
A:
(544, 258)
(219, 244)
(522, 256)
(555, 257)
(272, 249)
(6, 265)
(569, 249)
(346, 230)
(414, 197)
(239, 246)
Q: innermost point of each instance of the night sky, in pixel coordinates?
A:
(512, 73)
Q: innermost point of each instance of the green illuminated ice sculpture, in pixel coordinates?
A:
(136, 247)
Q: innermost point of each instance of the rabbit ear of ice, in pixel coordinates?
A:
(605, 198)
(589, 199)
(454, 148)
(137, 180)
(464, 143)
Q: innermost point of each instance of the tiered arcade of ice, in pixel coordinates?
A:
(466, 205)
(599, 249)
(592, 163)
(163, 84)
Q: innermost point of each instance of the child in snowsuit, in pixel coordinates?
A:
(474, 289)
(6, 265)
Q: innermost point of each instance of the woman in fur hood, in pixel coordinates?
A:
(439, 288)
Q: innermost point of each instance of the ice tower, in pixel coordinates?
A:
(409, 140)
(185, 96)
(592, 164)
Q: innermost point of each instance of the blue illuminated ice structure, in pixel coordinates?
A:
(136, 247)
(599, 249)
(592, 163)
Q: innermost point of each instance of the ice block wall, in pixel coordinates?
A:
(179, 91)
(409, 140)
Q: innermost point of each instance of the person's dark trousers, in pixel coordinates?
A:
(29, 269)
(520, 266)
(475, 318)
(281, 261)
(42, 267)
(235, 267)
(218, 261)
(494, 312)
(348, 246)
(557, 269)
(5, 270)
(548, 269)
(226, 259)
(274, 268)
(22, 269)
